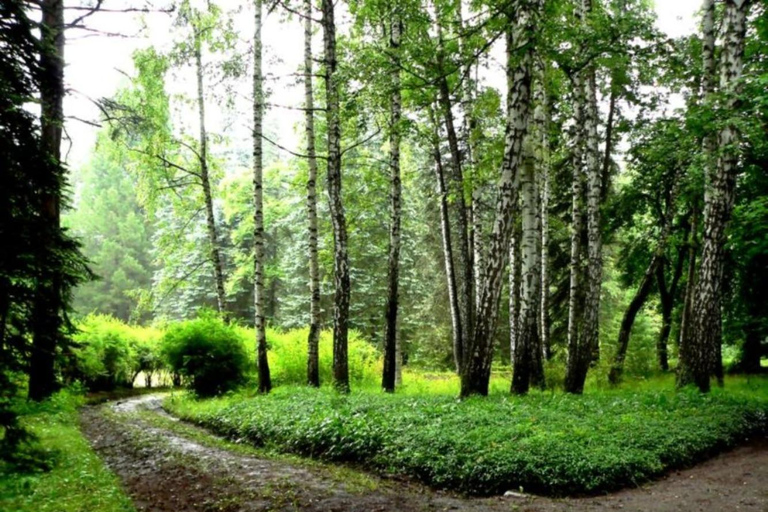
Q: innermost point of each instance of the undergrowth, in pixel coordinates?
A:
(548, 443)
(69, 476)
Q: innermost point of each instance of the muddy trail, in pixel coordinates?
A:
(167, 465)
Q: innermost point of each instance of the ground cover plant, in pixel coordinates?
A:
(69, 476)
(550, 443)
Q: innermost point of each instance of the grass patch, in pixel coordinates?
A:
(548, 443)
(77, 482)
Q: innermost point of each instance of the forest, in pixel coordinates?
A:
(383, 255)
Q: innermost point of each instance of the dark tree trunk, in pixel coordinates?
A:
(48, 295)
(667, 298)
(262, 363)
(637, 303)
(390, 337)
(338, 218)
(450, 270)
(464, 258)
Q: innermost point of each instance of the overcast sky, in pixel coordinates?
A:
(96, 63)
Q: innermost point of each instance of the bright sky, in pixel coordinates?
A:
(96, 63)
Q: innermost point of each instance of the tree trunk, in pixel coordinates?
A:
(213, 237)
(702, 345)
(574, 381)
(48, 302)
(530, 274)
(685, 317)
(667, 298)
(450, 271)
(313, 341)
(389, 376)
(656, 264)
(338, 218)
(591, 324)
(464, 259)
(514, 290)
(476, 369)
(543, 126)
(265, 381)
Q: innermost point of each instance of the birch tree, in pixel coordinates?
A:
(262, 364)
(393, 264)
(338, 218)
(475, 372)
(700, 350)
(313, 363)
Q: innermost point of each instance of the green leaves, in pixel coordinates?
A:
(544, 443)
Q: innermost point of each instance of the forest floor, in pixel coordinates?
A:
(168, 465)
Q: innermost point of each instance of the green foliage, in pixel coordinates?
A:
(110, 353)
(208, 352)
(288, 357)
(545, 443)
(76, 479)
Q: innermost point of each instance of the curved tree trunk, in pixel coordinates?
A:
(48, 294)
(313, 363)
(265, 381)
(338, 217)
(210, 219)
(476, 369)
(667, 298)
(389, 376)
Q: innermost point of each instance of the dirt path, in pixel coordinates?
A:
(166, 465)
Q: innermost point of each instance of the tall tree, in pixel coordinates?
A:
(199, 29)
(265, 381)
(475, 372)
(700, 350)
(338, 218)
(48, 296)
(313, 363)
(393, 264)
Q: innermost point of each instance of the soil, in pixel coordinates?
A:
(187, 469)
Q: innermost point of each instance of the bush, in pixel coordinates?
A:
(105, 353)
(208, 353)
(548, 443)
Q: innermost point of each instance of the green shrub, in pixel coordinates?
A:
(288, 357)
(208, 353)
(548, 443)
(105, 353)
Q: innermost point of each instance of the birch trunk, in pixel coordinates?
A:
(389, 376)
(205, 181)
(573, 381)
(542, 121)
(313, 363)
(265, 381)
(591, 324)
(700, 348)
(514, 290)
(338, 218)
(48, 299)
(476, 369)
(530, 274)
